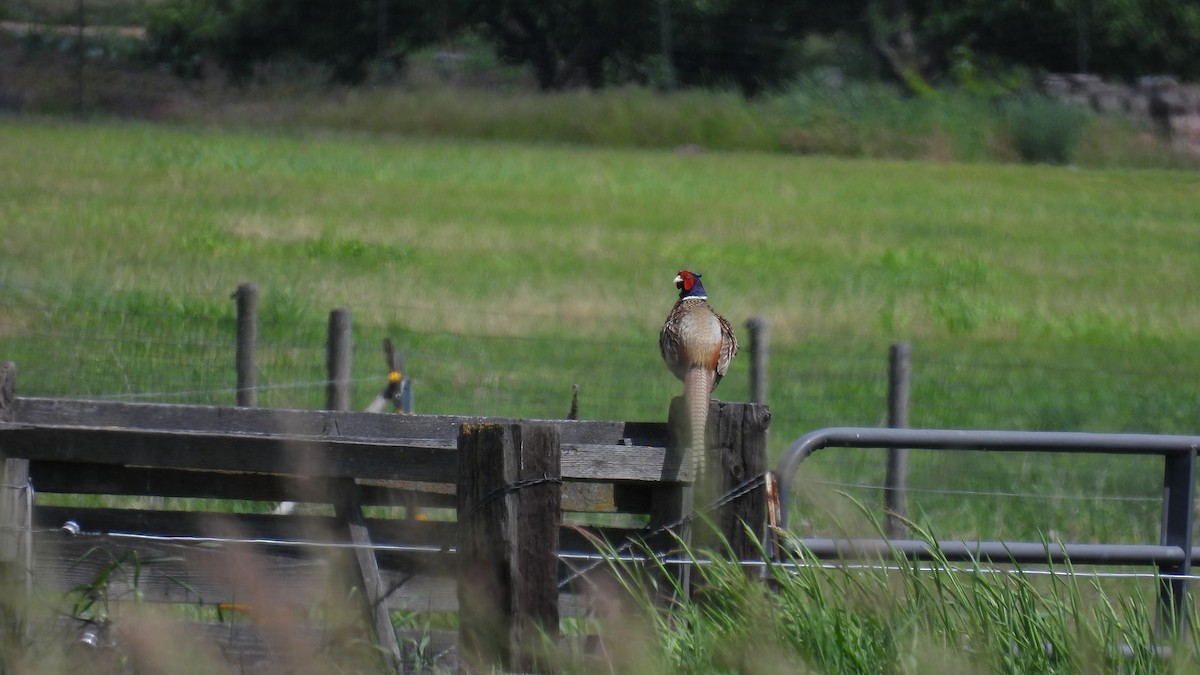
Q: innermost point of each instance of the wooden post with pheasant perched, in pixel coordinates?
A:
(697, 345)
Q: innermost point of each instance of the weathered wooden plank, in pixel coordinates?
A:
(115, 479)
(166, 417)
(323, 423)
(325, 457)
(112, 479)
(329, 458)
(368, 578)
(623, 463)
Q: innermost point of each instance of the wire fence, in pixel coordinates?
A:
(77, 56)
(145, 348)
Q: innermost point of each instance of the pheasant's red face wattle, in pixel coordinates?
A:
(686, 280)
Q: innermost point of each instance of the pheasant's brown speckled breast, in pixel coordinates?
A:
(692, 337)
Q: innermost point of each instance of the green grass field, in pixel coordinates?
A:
(1034, 297)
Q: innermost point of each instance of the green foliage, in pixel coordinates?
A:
(342, 37)
(1044, 130)
(880, 616)
(1119, 38)
(180, 33)
(753, 47)
(814, 115)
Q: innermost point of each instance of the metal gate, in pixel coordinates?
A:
(1172, 556)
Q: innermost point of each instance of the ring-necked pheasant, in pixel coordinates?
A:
(697, 345)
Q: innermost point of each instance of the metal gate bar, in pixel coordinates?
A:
(1172, 556)
(994, 551)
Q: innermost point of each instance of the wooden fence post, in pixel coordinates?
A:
(337, 360)
(896, 480)
(509, 514)
(737, 434)
(740, 432)
(760, 338)
(16, 563)
(348, 503)
(16, 474)
(246, 296)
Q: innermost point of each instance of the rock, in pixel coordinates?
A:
(1172, 107)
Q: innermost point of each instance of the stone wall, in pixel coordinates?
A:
(1173, 108)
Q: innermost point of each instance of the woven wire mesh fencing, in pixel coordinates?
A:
(141, 347)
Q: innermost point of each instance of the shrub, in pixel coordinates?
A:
(178, 34)
(1044, 130)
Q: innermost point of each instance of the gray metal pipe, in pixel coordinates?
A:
(992, 551)
(965, 439)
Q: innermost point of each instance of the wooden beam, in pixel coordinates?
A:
(331, 457)
(113, 479)
(325, 457)
(374, 592)
(322, 423)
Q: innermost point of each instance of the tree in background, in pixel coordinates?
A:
(707, 43)
(346, 36)
(752, 46)
(569, 43)
(1113, 38)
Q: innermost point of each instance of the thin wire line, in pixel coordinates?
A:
(622, 556)
(266, 541)
(228, 390)
(736, 492)
(669, 560)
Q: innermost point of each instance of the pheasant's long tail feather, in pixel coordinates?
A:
(697, 388)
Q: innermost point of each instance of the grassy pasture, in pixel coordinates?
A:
(1035, 297)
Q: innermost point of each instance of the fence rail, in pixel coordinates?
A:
(483, 509)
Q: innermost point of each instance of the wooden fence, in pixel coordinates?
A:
(490, 519)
